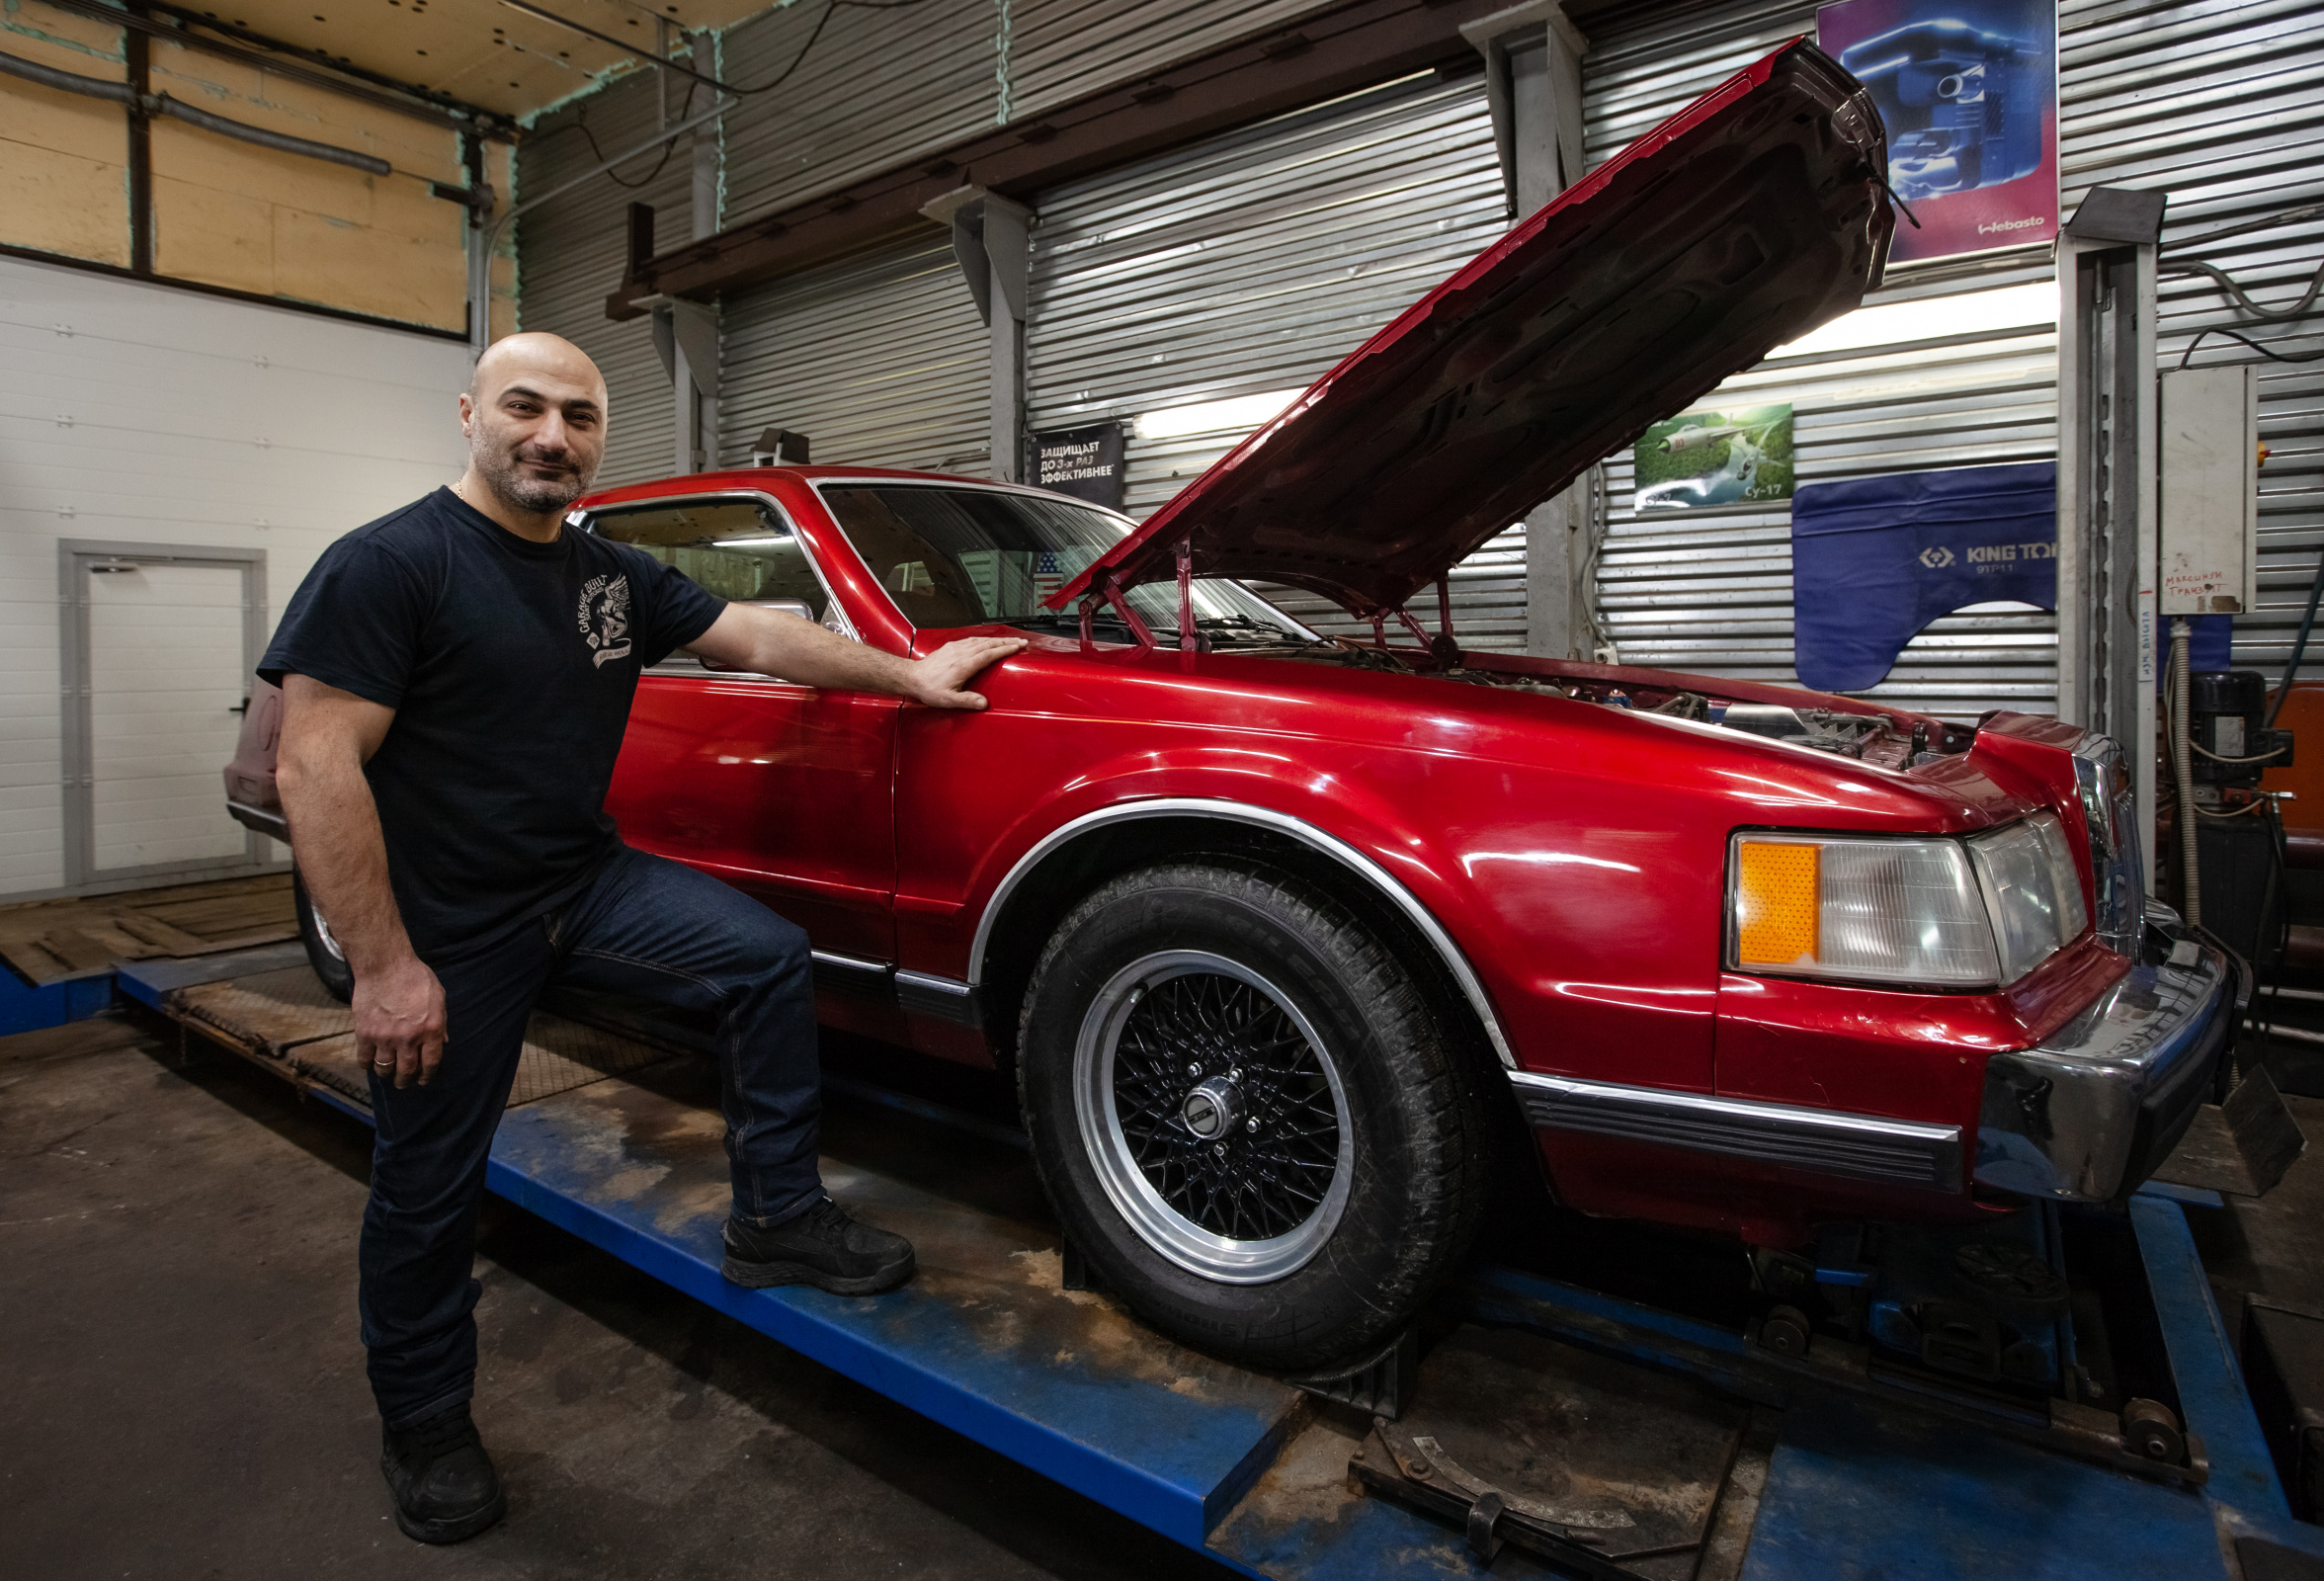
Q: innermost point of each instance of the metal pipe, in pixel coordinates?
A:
(161, 104)
(2183, 773)
(281, 142)
(463, 119)
(121, 93)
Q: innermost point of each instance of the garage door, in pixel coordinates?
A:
(878, 358)
(572, 250)
(1245, 266)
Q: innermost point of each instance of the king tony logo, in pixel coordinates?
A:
(604, 618)
(1937, 559)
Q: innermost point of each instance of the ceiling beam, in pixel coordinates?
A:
(1335, 53)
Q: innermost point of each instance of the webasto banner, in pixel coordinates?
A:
(1968, 91)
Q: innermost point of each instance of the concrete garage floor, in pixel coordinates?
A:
(182, 1392)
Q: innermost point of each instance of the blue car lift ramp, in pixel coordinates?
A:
(619, 1142)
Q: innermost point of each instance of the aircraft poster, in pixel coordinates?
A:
(1738, 457)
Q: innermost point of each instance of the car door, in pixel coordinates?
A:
(785, 791)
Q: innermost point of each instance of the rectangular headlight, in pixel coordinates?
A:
(1867, 909)
(2032, 890)
(1938, 913)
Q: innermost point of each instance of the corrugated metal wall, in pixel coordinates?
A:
(570, 252)
(2240, 137)
(882, 85)
(1251, 262)
(2222, 104)
(1710, 589)
(879, 86)
(877, 358)
(1061, 50)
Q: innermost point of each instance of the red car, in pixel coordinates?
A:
(1271, 929)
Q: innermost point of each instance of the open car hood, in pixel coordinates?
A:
(1743, 222)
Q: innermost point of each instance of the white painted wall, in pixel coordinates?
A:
(146, 414)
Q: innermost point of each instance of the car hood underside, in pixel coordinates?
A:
(1741, 223)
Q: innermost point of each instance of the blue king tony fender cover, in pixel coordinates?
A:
(1875, 560)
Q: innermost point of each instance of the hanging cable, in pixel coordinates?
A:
(653, 59)
(2299, 647)
(2183, 774)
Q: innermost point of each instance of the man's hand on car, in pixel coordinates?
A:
(937, 678)
(400, 1019)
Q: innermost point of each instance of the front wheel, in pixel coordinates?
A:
(322, 951)
(1246, 1114)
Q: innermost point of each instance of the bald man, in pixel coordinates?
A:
(457, 677)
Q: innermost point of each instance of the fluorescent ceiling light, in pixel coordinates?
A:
(1242, 414)
(748, 543)
(1973, 312)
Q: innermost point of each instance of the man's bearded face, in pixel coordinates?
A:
(536, 457)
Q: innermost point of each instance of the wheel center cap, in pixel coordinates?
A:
(1211, 1109)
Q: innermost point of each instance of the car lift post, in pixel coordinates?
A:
(2107, 393)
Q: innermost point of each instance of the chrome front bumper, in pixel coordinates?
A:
(2089, 1113)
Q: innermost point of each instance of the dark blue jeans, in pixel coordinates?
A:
(648, 928)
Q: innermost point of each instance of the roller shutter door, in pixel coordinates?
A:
(1251, 262)
(571, 252)
(2222, 104)
(878, 358)
(2240, 137)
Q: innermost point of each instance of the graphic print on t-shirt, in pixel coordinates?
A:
(605, 617)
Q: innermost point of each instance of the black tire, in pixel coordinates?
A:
(322, 951)
(1133, 983)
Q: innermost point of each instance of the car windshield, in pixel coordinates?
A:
(974, 556)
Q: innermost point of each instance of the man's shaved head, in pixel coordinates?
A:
(534, 413)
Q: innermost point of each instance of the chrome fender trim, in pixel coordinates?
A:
(1824, 1142)
(1346, 855)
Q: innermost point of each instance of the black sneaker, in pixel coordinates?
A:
(823, 1247)
(444, 1487)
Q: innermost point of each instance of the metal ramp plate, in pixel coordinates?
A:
(1249, 1471)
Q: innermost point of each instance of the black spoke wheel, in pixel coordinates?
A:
(1214, 1115)
(1246, 1113)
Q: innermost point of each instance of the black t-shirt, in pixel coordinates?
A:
(510, 665)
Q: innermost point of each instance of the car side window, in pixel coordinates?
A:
(743, 550)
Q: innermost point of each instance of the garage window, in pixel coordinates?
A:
(742, 550)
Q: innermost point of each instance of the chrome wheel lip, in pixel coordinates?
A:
(1161, 1227)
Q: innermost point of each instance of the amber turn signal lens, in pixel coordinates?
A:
(1777, 903)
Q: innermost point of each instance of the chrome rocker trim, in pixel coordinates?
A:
(916, 993)
(259, 821)
(1823, 1142)
(1266, 818)
(2087, 1114)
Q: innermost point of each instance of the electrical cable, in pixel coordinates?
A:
(2300, 647)
(2283, 216)
(653, 59)
(2265, 757)
(2273, 357)
(2227, 283)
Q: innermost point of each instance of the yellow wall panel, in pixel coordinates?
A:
(213, 238)
(60, 204)
(366, 271)
(63, 157)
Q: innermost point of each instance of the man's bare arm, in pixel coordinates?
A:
(772, 642)
(327, 737)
